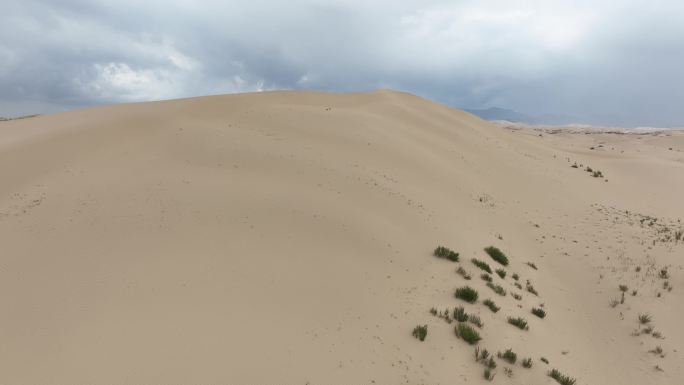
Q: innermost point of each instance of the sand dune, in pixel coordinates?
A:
(287, 238)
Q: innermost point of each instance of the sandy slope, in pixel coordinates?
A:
(286, 238)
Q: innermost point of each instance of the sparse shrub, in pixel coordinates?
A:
(531, 288)
(664, 274)
(518, 285)
(638, 269)
(489, 374)
(501, 273)
(466, 293)
(475, 320)
(467, 333)
(647, 330)
(486, 277)
(517, 296)
(482, 265)
(518, 322)
(515, 276)
(433, 311)
(561, 378)
(497, 289)
(544, 360)
(532, 265)
(460, 315)
(508, 356)
(634, 293)
(658, 351)
(508, 372)
(623, 288)
(491, 305)
(481, 355)
(574, 165)
(539, 312)
(461, 271)
(657, 334)
(527, 363)
(644, 318)
(420, 332)
(597, 174)
(444, 252)
(614, 302)
(497, 255)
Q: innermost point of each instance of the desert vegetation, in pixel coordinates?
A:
(518, 322)
(497, 255)
(481, 265)
(446, 253)
(467, 294)
(420, 332)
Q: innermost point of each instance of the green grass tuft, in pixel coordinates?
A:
(508, 356)
(491, 305)
(482, 265)
(497, 289)
(460, 315)
(527, 363)
(445, 252)
(420, 332)
(501, 273)
(539, 312)
(561, 378)
(466, 293)
(518, 322)
(467, 333)
(497, 255)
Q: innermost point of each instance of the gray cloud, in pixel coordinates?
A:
(607, 62)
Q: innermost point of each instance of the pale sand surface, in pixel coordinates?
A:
(287, 237)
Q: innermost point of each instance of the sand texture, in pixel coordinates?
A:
(287, 238)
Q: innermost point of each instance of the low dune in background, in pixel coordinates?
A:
(287, 238)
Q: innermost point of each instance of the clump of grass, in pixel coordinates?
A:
(444, 315)
(656, 334)
(460, 315)
(508, 372)
(508, 356)
(466, 293)
(491, 305)
(467, 333)
(561, 378)
(420, 332)
(445, 252)
(532, 265)
(501, 273)
(539, 312)
(623, 288)
(644, 318)
(497, 255)
(638, 269)
(527, 363)
(482, 265)
(544, 360)
(475, 320)
(497, 289)
(517, 296)
(489, 374)
(515, 276)
(461, 271)
(518, 322)
(531, 288)
(518, 285)
(486, 277)
(658, 351)
(663, 273)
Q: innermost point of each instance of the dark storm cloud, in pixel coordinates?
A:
(610, 62)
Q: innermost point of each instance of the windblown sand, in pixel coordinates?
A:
(287, 238)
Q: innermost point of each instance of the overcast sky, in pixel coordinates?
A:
(617, 62)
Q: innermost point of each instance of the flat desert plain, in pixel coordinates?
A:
(288, 238)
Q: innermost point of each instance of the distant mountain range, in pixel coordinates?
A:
(496, 113)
